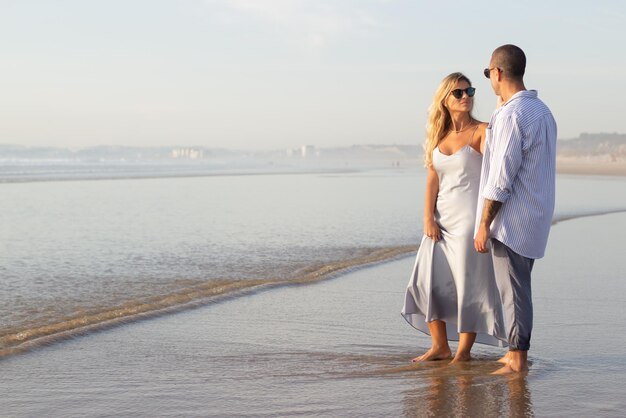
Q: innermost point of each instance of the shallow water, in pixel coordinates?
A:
(78, 253)
(341, 348)
(80, 246)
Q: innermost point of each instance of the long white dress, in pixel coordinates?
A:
(451, 281)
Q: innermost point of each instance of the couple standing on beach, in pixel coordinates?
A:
(488, 208)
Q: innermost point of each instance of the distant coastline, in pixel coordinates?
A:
(588, 154)
(590, 166)
(593, 154)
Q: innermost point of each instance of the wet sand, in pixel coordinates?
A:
(341, 348)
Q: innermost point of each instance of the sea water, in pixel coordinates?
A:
(82, 252)
(340, 348)
(72, 250)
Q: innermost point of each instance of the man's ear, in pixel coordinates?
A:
(499, 74)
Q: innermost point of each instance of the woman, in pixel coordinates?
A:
(452, 294)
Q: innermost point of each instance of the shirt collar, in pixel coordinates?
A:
(531, 94)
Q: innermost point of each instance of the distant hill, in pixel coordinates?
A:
(597, 146)
(609, 145)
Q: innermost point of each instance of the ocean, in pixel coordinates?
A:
(82, 255)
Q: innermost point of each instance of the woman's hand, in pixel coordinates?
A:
(431, 230)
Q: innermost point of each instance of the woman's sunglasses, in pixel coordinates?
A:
(458, 93)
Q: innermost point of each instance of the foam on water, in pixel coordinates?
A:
(13, 341)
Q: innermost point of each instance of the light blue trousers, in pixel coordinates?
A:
(513, 279)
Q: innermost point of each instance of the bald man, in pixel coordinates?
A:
(517, 191)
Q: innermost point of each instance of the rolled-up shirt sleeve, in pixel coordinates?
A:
(506, 159)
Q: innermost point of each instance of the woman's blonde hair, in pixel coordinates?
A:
(439, 120)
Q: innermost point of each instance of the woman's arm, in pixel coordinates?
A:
(431, 229)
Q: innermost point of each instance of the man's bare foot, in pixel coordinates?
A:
(461, 357)
(516, 362)
(506, 370)
(433, 355)
(506, 358)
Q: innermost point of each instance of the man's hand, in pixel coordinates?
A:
(480, 241)
(490, 210)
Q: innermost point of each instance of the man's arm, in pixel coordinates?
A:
(490, 210)
(506, 159)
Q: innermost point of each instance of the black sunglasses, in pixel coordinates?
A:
(487, 71)
(458, 93)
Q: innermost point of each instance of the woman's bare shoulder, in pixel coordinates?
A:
(480, 130)
(479, 138)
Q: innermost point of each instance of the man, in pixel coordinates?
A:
(517, 185)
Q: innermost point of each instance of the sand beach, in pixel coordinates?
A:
(590, 166)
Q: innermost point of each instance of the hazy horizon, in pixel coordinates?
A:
(278, 74)
(295, 147)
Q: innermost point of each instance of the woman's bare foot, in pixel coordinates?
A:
(434, 354)
(460, 357)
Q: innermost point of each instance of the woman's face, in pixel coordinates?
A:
(464, 104)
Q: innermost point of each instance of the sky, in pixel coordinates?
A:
(272, 74)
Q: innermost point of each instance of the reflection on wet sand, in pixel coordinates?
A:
(433, 389)
(468, 390)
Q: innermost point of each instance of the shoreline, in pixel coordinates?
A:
(21, 340)
(564, 165)
(340, 348)
(174, 175)
(24, 337)
(590, 167)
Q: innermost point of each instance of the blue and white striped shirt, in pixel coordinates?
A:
(519, 170)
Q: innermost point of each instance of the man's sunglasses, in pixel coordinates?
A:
(458, 93)
(487, 71)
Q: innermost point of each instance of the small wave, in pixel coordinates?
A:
(157, 173)
(598, 212)
(19, 340)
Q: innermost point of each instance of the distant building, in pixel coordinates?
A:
(187, 153)
(307, 151)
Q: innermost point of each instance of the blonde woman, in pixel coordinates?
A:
(452, 293)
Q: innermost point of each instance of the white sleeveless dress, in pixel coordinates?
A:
(451, 281)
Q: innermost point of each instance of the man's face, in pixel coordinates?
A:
(493, 77)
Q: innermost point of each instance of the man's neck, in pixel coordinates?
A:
(508, 90)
